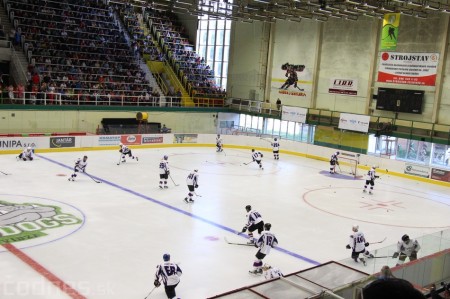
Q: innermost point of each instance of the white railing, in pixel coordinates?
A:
(63, 99)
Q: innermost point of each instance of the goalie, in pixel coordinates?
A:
(333, 162)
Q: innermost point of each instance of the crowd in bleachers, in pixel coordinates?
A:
(78, 49)
(192, 70)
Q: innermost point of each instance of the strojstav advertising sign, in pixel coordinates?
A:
(440, 174)
(408, 68)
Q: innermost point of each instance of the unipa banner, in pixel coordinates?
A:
(296, 114)
(59, 142)
(343, 86)
(408, 68)
(152, 139)
(389, 33)
(354, 122)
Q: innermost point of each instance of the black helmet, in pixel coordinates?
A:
(166, 257)
(405, 238)
(248, 208)
(267, 226)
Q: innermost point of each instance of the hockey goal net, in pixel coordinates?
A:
(348, 164)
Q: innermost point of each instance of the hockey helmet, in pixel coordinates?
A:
(166, 257)
(405, 238)
(248, 208)
(166, 157)
(195, 170)
(121, 144)
(267, 226)
(253, 150)
(337, 153)
(85, 158)
(28, 148)
(218, 135)
(275, 139)
(355, 228)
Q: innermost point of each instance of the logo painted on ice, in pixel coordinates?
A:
(41, 220)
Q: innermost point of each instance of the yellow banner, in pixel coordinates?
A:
(389, 33)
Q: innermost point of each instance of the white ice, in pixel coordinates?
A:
(130, 223)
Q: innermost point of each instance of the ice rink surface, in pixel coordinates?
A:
(126, 223)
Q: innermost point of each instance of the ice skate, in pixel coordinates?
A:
(191, 200)
(363, 261)
(186, 200)
(364, 190)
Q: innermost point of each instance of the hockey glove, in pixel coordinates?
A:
(337, 163)
(196, 186)
(396, 254)
(120, 151)
(366, 244)
(348, 246)
(157, 283)
(168, 172)
(262, 155)
(244, 229)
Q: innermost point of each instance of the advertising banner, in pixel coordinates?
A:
(12, 143)
(59, 142)
(389, 33)
(296, 114)
(354, 122)
(417, 170)
(106, 140)
(343, 86)
(440, 174)
(408, 68)
(185, 138)
(131, 139)
(147, 139)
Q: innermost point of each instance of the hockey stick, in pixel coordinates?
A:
(150, 292)
(381, 257)
(339, 167)
(236, 243)
(120, 159)
(4, 173)
(198, 195)
(248, 162)
(98, 182)
(379, 241)
(173, 181)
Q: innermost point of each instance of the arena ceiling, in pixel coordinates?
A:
(296, 10)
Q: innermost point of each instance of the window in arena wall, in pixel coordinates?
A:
(213, 39)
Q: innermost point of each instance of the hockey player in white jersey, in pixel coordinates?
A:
(219, 144)
(264, 243)
(254, 222)
(80, 166)
(192, 183)
(126, 152)
(370, 180)
(406, 248)
(358, 245)
(26, 155)
(164, 172)
(271, 272)
(170, 274)
(275, 148)
(257, 157)
(333, 162)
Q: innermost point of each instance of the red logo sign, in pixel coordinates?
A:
(131, 139)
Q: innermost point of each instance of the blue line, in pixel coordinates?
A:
(183, 212)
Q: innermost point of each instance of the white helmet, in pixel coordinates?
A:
(355, 228)
(29, 148)
(120, 144)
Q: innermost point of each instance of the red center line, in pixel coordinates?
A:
(44, 272)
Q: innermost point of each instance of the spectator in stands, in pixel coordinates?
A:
(394, 288)
(164, 129)
(386, 273)
(278, 104)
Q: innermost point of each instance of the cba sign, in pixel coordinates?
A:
(58, 142)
